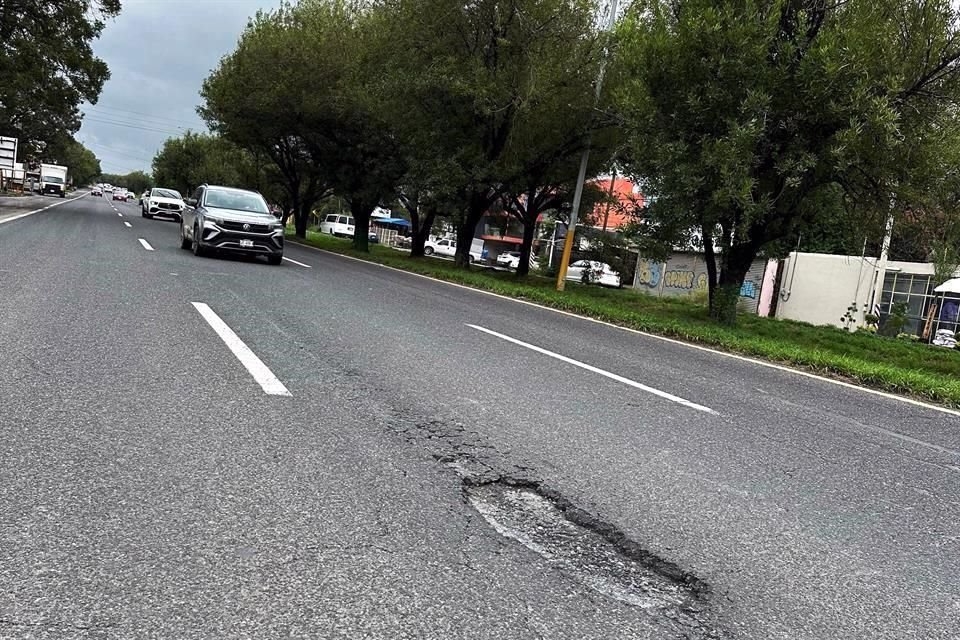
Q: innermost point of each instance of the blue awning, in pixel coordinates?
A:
(397, 221)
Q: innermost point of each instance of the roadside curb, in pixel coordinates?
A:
(698, 347)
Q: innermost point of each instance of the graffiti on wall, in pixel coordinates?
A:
(648, 273)
(749, 289)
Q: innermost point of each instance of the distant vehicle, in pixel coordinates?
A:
(143, 196)
(97, 191)
(53, 179)
(510, 259)
(596, 273)
(338, 225)
(448, 248)
(120, 195)
(230, 220)
(161, 202)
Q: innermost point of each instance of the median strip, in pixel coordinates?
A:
(598, 371)
(260, 372)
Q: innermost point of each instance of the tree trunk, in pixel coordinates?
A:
(477, 206)
(300, 217)
(523, 267)
(421, 231)
(736, 263)
(710, 257)
(361, 224)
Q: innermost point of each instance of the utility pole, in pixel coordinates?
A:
(582, 174)
(881, 273)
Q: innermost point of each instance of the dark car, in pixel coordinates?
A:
(223, 219)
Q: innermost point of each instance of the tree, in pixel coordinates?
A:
(740, 113)
(469, 76)
(260, 98)
(135, 181)
(48, 67)
(83, 166)
(186, 162)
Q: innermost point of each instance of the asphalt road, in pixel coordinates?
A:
(150, 487)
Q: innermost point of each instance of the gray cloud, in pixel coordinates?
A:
(159, 52)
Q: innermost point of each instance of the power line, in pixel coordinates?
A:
(134, 126)
(105, 111)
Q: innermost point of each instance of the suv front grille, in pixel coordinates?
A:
(168, 205)
(238, 226)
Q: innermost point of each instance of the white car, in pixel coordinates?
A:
(162, 202)
(337, 225)
(446, 247)
(596, 273)
(509, 259)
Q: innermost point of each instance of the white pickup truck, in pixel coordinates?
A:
(447, 248)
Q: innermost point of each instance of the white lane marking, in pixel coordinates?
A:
(297, 263)
(760, 363)
(127, 224)
(607, 374)
(146, 245)
(264, 377)
(119, 214)
(49, 206)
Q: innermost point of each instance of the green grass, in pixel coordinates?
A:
(919, 370)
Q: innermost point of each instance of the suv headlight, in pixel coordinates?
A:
(276, 228)
(212, 222)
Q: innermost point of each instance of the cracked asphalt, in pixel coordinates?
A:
(150, 489)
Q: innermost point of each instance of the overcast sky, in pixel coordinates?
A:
(159, 52)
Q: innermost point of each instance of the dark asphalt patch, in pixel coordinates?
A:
(593, 553)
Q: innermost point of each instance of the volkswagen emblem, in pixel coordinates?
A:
(246, 227)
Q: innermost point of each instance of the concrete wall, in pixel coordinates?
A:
(818, 287)
(685, 274)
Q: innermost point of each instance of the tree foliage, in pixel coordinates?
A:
(742, 113)
(48, 67)
(135, 181)
(82, 163)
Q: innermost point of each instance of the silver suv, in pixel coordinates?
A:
(223, 219)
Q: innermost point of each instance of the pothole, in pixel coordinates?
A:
(595, 554)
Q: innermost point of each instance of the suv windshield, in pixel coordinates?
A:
(236, 200)
(165, 193)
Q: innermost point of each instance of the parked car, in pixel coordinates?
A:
(162, 202)
(446, 247)
(509, 259)
(596, 273)
(230, 220)
(337, 225)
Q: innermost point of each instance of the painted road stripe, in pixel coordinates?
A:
(49, 206)
(654, 336)
(146, 245)
(127, 224)
(118, 213)
(297, 263)
(264, 377)
(607, 374)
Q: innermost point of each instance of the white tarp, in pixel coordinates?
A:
(950, 286)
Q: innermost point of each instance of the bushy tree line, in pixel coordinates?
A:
(752, 121)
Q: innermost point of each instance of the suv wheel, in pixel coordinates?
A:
(275, 259)
(184, 241)
(428, 251)
(197, 249)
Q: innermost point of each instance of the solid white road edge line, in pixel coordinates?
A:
(264, 377)
(297, 263)
(146, 245)
(689, 345)
(607, 374)
(127, 224)
(49, 206)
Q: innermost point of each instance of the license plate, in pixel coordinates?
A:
(246, 243)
